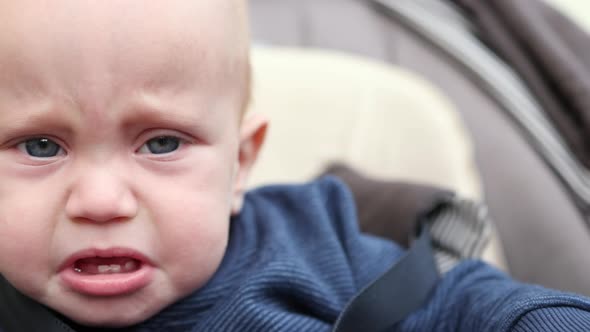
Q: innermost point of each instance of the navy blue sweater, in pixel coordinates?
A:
(296, 256)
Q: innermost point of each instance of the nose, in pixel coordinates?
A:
(99, 195)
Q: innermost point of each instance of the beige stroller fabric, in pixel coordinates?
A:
(383, 120)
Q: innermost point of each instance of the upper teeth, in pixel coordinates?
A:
(109, 268)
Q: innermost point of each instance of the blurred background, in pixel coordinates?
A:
(577, 10)
(487, 98)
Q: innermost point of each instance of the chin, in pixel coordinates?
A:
(107, 319)
(111, 313)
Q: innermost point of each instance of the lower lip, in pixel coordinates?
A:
(112, 284)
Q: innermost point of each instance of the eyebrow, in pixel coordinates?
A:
(142, 113)
(37, 122)
(147, 114)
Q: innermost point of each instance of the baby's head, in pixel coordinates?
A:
(123, 150)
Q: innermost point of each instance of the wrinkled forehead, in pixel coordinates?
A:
(85, 43)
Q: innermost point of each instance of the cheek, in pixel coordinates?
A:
(192, 220)
(194, 247)
(26, 230)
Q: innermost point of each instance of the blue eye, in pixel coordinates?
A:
(40, 147)
(161, 145)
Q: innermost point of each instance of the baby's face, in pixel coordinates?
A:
(119, 150)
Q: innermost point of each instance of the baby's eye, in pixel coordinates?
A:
(161, 145)
(40, 147)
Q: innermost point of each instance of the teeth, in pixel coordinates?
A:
(104, 268)
(131, 265)
(113, 268)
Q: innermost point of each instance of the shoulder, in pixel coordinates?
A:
(295, 251)
(326, 202)
(477, 297)
(317, 222)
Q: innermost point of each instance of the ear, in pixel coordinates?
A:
(252, 134)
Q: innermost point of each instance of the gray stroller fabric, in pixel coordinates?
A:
(504, 85)
(551, 54)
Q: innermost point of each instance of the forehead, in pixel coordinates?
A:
(91, 50)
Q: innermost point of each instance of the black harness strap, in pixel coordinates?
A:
(403, 289)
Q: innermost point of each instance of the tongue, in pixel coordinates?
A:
(106, 265)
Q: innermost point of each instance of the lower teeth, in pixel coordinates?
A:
(109, 268)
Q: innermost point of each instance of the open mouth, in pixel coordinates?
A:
(110, 272)
(106, 265)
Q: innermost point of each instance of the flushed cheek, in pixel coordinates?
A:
(193, 242)
(27, 229)
(24, 254)
(191, 220)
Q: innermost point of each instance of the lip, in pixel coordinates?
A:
(107, 284)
